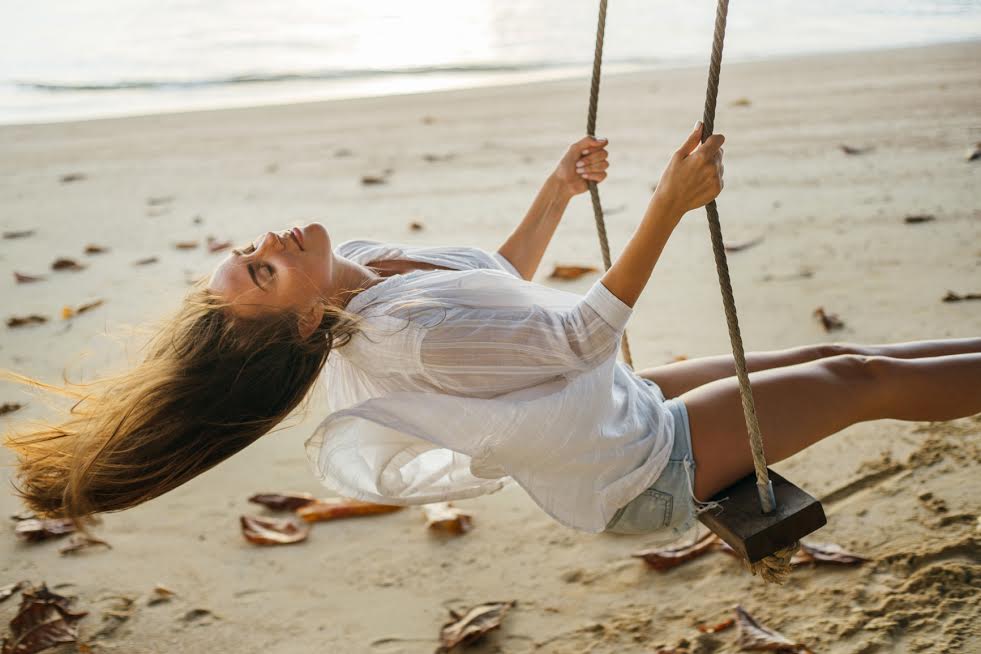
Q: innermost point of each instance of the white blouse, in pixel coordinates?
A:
(465, 379)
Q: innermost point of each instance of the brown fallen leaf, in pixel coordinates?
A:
(21, 321)
(23, 233)
(198, 614)
(44, 619)
(848, 149)
(65, 263)
(9, 407)
(92, 248)
(282, 501)
(21, 278)
(919, 218)
(273, 531)
(159, 200)
(830, 321)
(665, 558)
(443, 516)
(755, 637)
(214, 245)
(341, 507)
(159, 595)
(38, 529)
(80, 541)
(197, 220)
(974, 153)
(825, 553)
(736, 247)
(680, 357)
(343, 152)
(71, 177)
(712, 629)
(368, 180)
(186, 245)
(428, 120)
(146, 261)
(433, 158)
(954, 297)
(69, 312)
(471, 626)
(8, 590)
(415, 225)
(740, 102)
(570, 272)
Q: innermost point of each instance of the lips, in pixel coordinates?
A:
(297, 236)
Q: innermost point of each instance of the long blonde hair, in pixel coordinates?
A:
(210, 384)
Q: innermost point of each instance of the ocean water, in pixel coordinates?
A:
(62, 60)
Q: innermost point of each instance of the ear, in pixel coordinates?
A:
(310, 319)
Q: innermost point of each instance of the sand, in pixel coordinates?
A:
(904, 494)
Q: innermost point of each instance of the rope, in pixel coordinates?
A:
(593, 190)
(776, 567)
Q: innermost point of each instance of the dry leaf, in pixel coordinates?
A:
(825, 553)
(36, 529)
(721, 626)
(186, 245)
(214, 245)
(160, 595)
(159, 200)
(72, 177)
(570, 272)
(428, 120)
(197, 220)
(736, 247)
(272, 168)
(335, 508)
(680, 357)
(975, 153)
(68, 312)
(146, 261)
(80, 541)
(665, 558)
(415, 226)
(343, 152)
(954, 297)
(921, 218)
(91, 248)
(282, 501)
(472, 625)
(443, 516)
(848, 149)
(755, 637)
(43, 620)
(740, 102)
(830, 321)
(9, 407)
(433, 158)
(272, 531)
(20, 321)
(373, 179)
(21, 278)
(23, 233)
(66, 264)
(10, 589)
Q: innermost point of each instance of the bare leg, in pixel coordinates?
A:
(800, 404)
(678, 377)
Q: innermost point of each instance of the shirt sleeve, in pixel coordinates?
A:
(506, 264)
(484, 351)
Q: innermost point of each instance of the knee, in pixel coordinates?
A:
(827, 350)
(857, 368)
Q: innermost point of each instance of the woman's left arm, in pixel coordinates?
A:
(584, 161)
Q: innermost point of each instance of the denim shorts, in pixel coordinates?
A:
(668, 506)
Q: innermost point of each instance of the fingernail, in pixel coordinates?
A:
(601, 139)
(698, 124)
(585, 151)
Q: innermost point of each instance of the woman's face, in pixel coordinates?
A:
(291, 269)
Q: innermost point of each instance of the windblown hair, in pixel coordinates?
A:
(211, 384)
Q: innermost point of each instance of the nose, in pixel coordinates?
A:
(267, 239)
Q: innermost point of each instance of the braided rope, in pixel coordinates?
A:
(776, 567)
(591, 131)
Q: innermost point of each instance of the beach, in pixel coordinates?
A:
(879, 237)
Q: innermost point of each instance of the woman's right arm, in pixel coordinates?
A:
(692, 178)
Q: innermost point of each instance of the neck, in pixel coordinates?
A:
(350, 278)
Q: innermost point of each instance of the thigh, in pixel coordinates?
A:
(796, 406)
(681, 376)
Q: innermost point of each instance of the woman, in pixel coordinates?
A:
(453, 373)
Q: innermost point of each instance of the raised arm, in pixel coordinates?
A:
(585, 159)
(692, 178)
